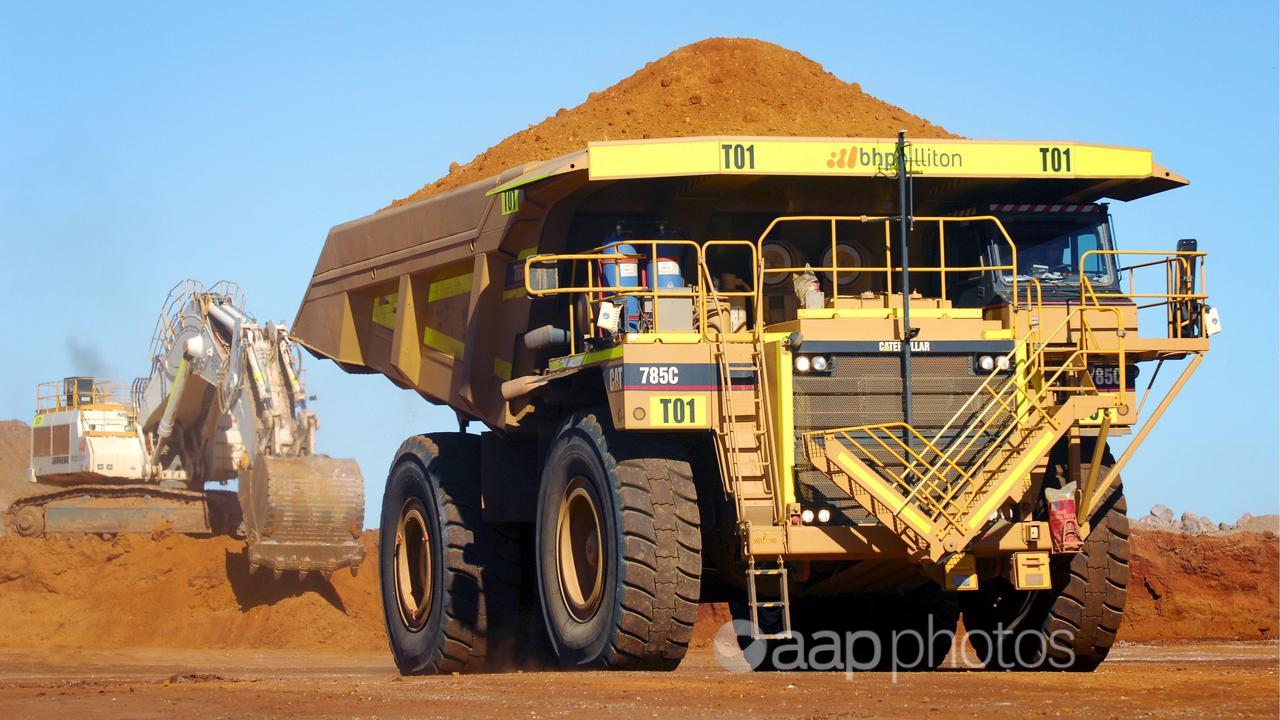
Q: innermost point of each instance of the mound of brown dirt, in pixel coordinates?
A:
(1184, 587)
(719, 86)
(181, 592)
(15, 452)
(176, 592)
(1180, 588)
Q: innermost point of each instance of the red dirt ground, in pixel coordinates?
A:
(719, 86)
(182, 592)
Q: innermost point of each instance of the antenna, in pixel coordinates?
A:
(905, 221)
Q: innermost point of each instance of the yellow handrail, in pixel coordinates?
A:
(592, 287)
(1181, 266)
(889, 268)
(77, 392)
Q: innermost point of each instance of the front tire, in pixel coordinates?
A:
(619, 548)
(448, 580)
(1070, 627)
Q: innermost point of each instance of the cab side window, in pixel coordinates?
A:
(965, 248)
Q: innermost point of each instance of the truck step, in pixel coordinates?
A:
(744, 435)
(755, 604)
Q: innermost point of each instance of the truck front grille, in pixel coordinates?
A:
(867, 390)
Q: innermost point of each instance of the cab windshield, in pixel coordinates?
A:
(1051, 249)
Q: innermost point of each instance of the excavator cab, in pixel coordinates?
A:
(79, 391)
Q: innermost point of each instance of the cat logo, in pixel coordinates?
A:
(896, 346)
(615, 378)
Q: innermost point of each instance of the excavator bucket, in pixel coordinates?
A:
(303, 513)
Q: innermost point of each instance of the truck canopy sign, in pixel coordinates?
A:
(864, 157)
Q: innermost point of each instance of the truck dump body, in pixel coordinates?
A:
(454, 262)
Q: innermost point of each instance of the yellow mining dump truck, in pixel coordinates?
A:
(849, 385)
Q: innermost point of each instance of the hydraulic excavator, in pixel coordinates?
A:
(223, 401)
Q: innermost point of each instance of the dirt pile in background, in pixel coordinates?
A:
(1181, 587)
(179, 592)
(182, 592)
(15, 452)
(1184, 586)
(718, 86)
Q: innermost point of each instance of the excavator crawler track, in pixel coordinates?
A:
(133, 508)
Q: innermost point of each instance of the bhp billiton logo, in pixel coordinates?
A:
(847, 158)
(918, 159)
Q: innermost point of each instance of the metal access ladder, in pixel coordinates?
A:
(747, 455)
(755, 604)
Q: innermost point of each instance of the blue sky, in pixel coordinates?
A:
(143, 144)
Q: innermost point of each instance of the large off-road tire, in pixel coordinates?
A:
(618, 547)
(450, 582)
(907, 632)
(1071, 626)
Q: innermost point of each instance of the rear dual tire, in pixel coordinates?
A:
(449, 582)
(617, 557)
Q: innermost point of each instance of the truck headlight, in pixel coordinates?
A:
(814, 363)
(987, 363)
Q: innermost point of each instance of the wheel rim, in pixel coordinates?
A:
(413, 565)
(579, 550)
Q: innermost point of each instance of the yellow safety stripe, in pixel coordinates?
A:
(585, 359)
(501, 369)
(449, 287)
(518, 182)
(436, 340)
(384, 310)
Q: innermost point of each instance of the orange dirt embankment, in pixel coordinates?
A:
(176, 591)
(15, 454)
(182, 592)
(719, 86)
(1187, 587)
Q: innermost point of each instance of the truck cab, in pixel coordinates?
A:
(1056, 245)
